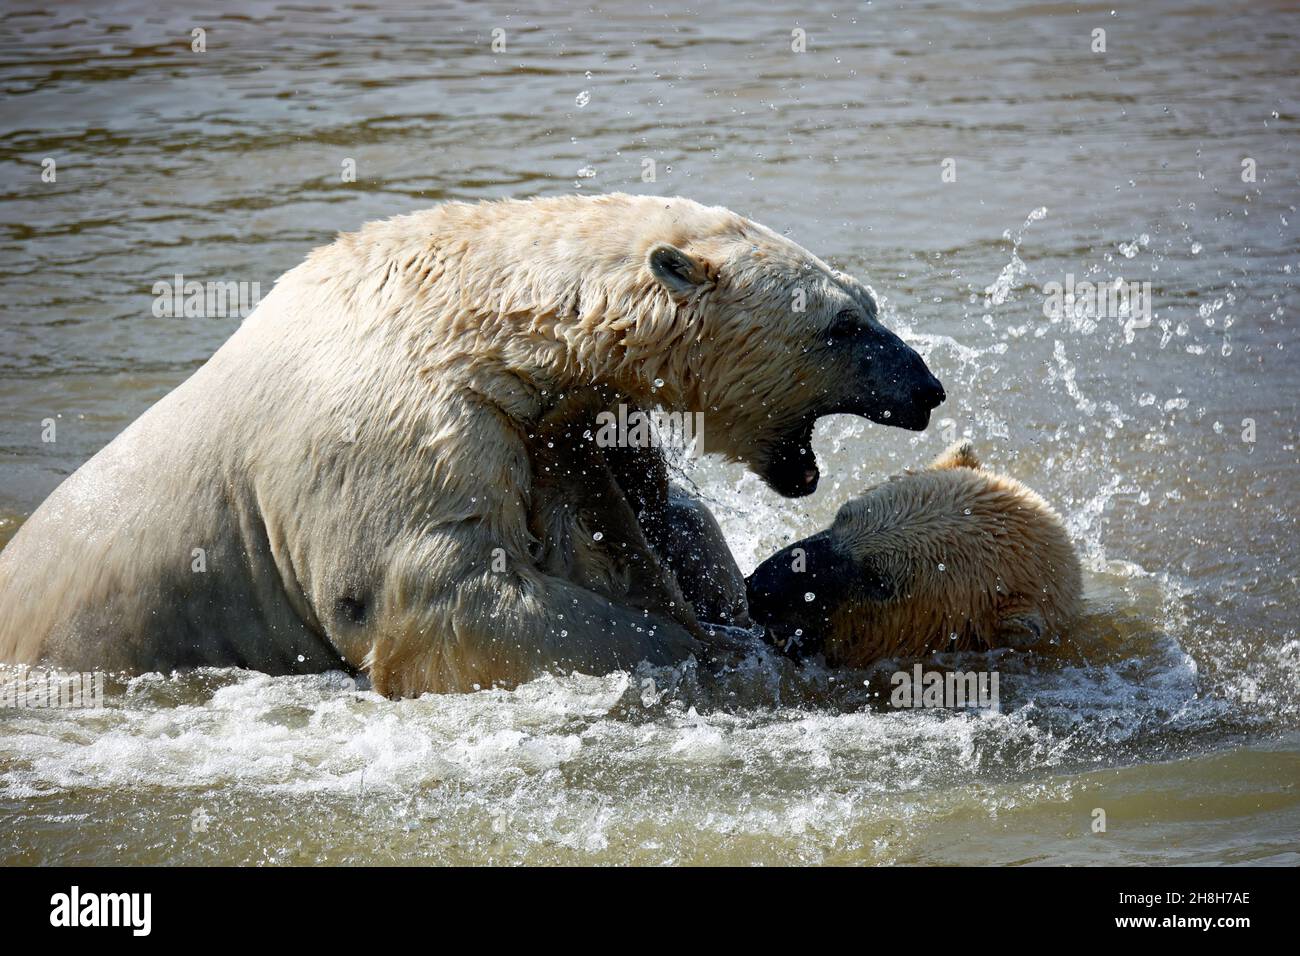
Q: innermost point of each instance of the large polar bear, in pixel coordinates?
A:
(346, 484)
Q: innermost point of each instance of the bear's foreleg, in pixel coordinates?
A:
(586, 521)
(460, 614)
(684, 534)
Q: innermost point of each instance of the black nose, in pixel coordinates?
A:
(929, 392)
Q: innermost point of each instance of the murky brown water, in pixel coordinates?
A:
(225, 165)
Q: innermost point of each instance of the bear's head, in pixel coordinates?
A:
(950, 557)
(676, 305)
(771, 340)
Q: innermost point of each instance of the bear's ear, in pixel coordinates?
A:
(958, 455)
(676, 271)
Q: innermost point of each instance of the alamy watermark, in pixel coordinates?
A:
(634, 428)
(21, 688)
(1129, 301)
(919, 688)
(75, 908)
(204, 300)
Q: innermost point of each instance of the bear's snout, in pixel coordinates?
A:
(800, 586)
(895, 386)
(930, 392)
(927, 395)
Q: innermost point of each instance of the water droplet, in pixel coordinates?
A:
(809, 596)
(598, 536)
(582, 99)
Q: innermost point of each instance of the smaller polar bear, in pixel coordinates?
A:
(949, 558)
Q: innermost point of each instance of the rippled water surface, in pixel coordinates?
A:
(1182, 723)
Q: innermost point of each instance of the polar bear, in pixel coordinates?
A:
(346, 484)
(952, 557)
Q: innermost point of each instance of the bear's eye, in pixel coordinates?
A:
(847, 323)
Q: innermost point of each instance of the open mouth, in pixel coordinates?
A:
(791, 468)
